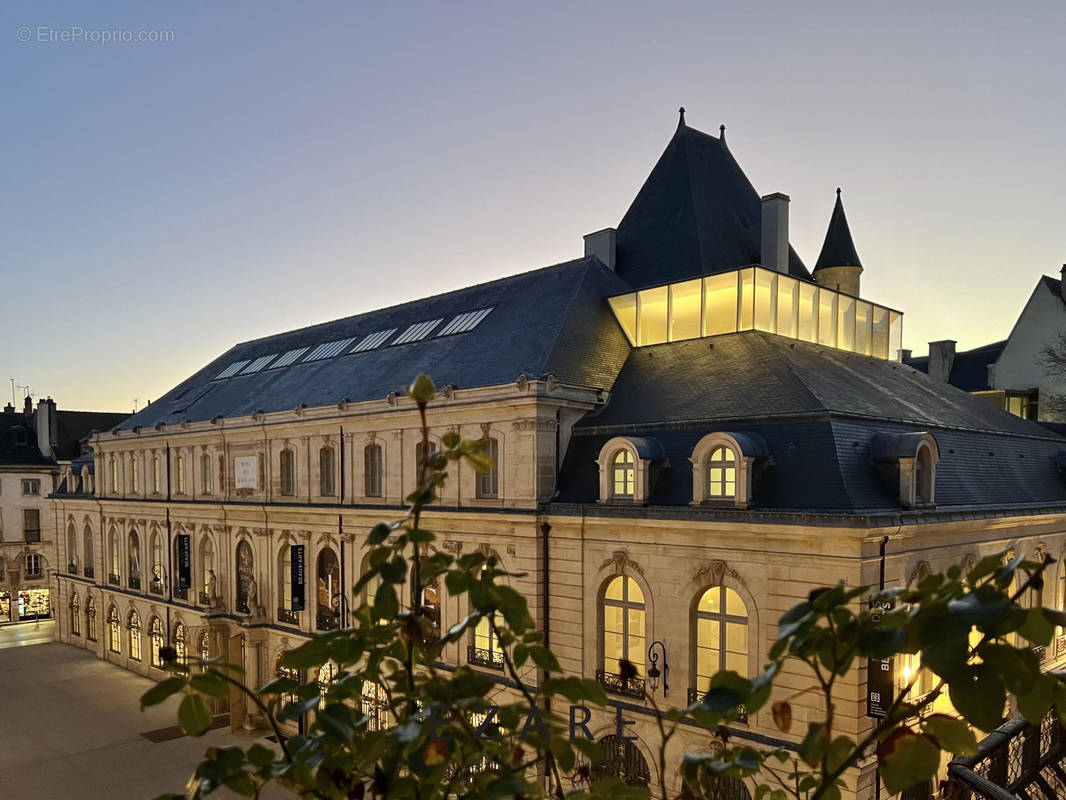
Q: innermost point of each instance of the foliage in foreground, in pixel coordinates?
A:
(431, 738)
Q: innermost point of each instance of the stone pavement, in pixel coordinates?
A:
(71, 727)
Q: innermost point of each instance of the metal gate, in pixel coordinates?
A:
(623, 760)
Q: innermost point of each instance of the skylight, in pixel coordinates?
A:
(289, 357)
(258, 364)
(329, 349)
(373, 341)
(231, 370)
(418, 331)
(464, 322)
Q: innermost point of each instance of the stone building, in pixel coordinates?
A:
(691, 432)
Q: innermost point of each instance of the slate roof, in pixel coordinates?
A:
(548, 321)
(818, 410)
(696, 214)
(838, 249)
(18, 442)
(75, 427)
(969, 371)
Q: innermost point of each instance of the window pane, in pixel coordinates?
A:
(706, 665)
(636, 622)
(736, 637)
(636, 652)
(685, 310)
(711, 600)
(635, 594)
(737, 662)
(734, 606)
(708, 633)
(827, 318)
(895, 334)
(787, 305)
(720, 304)
(612, 619)
(747, 299)
(765, 282)
(614, 589)
(863, 313)
(612, 646)
(651, 317)
(807, 324)
(845, 322)
(625, 311)
(879, 340)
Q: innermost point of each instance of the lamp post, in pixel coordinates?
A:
(653, 671)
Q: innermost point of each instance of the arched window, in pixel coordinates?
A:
(157, 483)
(370, 588)
(179, 475)
(205, 645)
(205, 474)
(114, 631)
(113, 468)
(721, 635)
(115, 552)
(134, 577)
(327, 673)
(285, 610)
(90, 619)
(247, 591)
(623, 632)
(431, 606)
(90, 556)
(181, 643)
(722, 474)
(72, 549)
(287, 463)
(375, 705)
(155, 631)
(486, 648)
(133, 474)
(623, 482)
(207, 569)
(327, 483)
(157, 563)
(328, 591)
(487, 484)
(133, 624)
(923, 476)
(622, 759)
(281, 671)
(75, 615)
(372, 464)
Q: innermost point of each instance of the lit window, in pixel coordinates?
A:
(180, 470)
(327, 673)
(487, 484)
(722, 473)
(75, 615)
(288, 473)
(282, 671)
(205, 646)
(375, 706)
(328, 594)
(326, 470)
(623, 624)
(372, 470)
(285, 578)
(622, 474)
(90, 619)
(114, 631)
(181, 643)
(155, 630)
(721, 635)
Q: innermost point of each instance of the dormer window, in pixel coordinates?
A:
(622, 475)
(908, 460)
(723, 468)
(722, 474)
(627, 465)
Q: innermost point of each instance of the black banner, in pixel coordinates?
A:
(880, 687)
(184, 561)
(298, 577)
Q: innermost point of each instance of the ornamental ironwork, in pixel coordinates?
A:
(616, 684)
(113, 579)
(288, 616)
(695, 695)
(327, 620)
(135, 583)
(87, 572)
(493, 659)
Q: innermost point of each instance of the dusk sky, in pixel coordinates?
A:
(281, 164)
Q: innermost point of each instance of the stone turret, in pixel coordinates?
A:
(838, 264)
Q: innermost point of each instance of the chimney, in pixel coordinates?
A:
(775, 232)
(601, 244)
(1062, 282)
(27, 407)
(45, 424)
(941, 359)
(904, 355)
(9, 409)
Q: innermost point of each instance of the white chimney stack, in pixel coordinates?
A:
(775, 232)
(601, 244)
(941, 359)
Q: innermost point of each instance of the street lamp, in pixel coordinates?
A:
(653, 671)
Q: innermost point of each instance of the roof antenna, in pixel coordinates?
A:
(681, 122)
(721, 132)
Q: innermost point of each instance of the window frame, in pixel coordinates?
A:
(487, 484)
(626, 605)
(373, 470)
(327, 471)
(287, 472)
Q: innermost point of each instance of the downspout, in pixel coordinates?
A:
(343, 594)
(170, 571)
(881, 587)
(545, 585)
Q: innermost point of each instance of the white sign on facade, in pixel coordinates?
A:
(246, 472)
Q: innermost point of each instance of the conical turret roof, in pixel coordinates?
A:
(838, 250)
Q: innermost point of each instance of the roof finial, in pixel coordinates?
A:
(721, 132)
(681, 121)
(838, 191)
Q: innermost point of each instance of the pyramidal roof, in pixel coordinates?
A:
(696, 214)
(838, 250)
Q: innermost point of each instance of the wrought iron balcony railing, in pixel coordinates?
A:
(72, 568)
(695, 695)
(155, 586)
(493, 659)
(205, 599)
(135, 582)
(114, 579)
(288, 616)
(87, 572)
(616, 684)
(181, 594)
(327, 620)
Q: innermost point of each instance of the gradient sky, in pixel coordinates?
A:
(281, 164)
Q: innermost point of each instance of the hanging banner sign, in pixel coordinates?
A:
(298, 577)
(880, 676)
(184, 561)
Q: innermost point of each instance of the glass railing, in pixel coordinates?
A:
(756, 298)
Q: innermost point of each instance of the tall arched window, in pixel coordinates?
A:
(287, 471)
(90, 619)
(133, 624)
(722, 473)
(327, 673)
(623, 482)
(156, 568)
(179, 475)
(721, 635)
(205, 645)
(487, 484)
(486, 648)
(327, 483)
(205, 474)
(89, 555)
(133, 474)
(75, 615)
(155, 632)
(181, 643)
(285, 610)
(431, 606)
(115, 552)
(114, 631)
(623, 632)
(207, 569)
(113, 468)
(281, 671)
(134, 576)
(328, 591)
(372, 464)
(247, 591)
(72, 548)
(157, 482)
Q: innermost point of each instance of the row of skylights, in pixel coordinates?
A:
(464, 322)
(329, 349)
(373, 341)
(418, 331)
(461, 323)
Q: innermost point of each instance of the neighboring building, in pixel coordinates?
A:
(34, 447)
(1009, 374)
(691, 433)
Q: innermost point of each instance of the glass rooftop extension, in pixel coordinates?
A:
(756, 298)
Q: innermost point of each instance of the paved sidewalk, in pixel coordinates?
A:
(71, 727)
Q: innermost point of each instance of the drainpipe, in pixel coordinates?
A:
(170, 571)
(545, 584)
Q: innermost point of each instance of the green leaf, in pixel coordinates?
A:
(907, 759)
(839, 752)
(986, 566)
(395, 571)
(978, 694)
(952, 734)
(194, 718)
(386, 606)
(379, 533)
(210, 683)
(1037, 628)
(260, 756)
(520, 654)
(1018, 668)
(814, 744)
(1034, 703)
(544, 658)
(161, 691)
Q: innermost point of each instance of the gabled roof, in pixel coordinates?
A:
(696, 214)
(969, 370)
(549, 321)
(838, 249)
